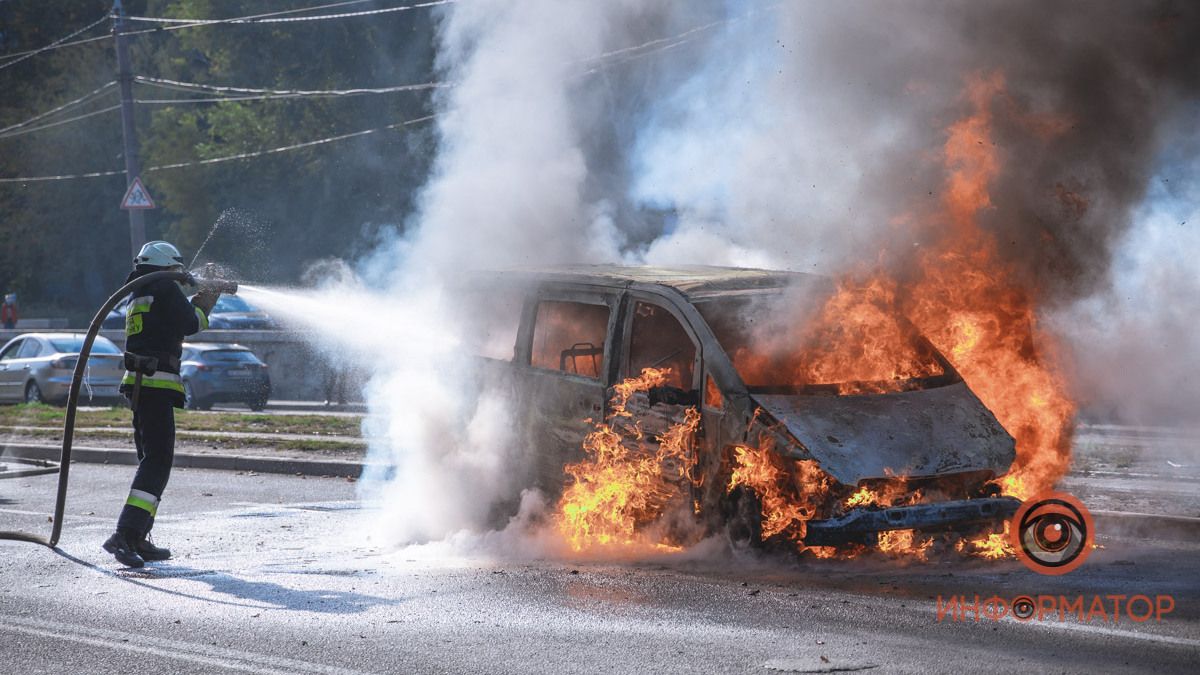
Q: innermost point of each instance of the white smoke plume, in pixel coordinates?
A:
(786, 135)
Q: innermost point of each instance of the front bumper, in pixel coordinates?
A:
(862, 525)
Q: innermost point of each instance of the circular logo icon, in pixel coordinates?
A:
(1052, 533)
(1023, 607)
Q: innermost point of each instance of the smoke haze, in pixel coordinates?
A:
(802, 136)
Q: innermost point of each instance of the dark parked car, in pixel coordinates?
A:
(230, 313)
(569, 335)
(37, 368)
(223, 373)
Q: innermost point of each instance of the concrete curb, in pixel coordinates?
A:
(305, 467)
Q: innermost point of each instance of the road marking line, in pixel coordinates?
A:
(19, 512)
(1112, 632)
(175, 649)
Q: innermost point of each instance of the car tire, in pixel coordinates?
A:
(33, 393)
(742, 510)
(190, 402)
(257, 405)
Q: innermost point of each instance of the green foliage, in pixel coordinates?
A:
(65, 243)
(52, 417)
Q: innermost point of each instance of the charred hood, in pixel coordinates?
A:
(925, 432)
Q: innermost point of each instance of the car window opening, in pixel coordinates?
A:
(658, 340)
(231, 303)
(74, 344)
(31, 349)
(492, 324)
(11, 351)
(230, 356)
(868, 351)
(712, 394)
(569, 337)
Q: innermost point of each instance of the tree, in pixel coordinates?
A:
(64, 245)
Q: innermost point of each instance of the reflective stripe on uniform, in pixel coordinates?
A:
(140, 304)
(133, 316)
(159, 380)
(143, 500)
(203, 319)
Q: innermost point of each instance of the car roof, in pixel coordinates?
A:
(51, 336)
(47, 337)
(694, 281)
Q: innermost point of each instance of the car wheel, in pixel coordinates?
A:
(743, 518)
(257, 405)
(189, 397)
(33, 393)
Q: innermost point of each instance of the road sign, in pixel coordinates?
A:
(136, 197)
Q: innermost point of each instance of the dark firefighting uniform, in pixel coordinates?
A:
(158, 318)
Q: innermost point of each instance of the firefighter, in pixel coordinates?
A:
(158, 318)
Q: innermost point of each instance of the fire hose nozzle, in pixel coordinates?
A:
(209, 279)
(218, 286)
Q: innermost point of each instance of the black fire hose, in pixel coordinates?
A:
(64, 467)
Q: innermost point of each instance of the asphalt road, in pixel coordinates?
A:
(273, 574)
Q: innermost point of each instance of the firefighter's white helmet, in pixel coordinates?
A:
(159, 254)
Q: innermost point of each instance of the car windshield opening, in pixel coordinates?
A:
(821, 340)
(229, 356)
(231, 303)
(72, 344)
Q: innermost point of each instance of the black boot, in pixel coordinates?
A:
(123, 546)
(150, 552)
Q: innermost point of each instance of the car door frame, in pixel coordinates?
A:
(7, 374)
(721, 427)
(555, 404)
(671, 304)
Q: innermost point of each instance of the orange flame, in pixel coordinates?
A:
(899, 543)
(966, 300)
(969, 303)
(789, 499)
(624, 484)
(992, 546)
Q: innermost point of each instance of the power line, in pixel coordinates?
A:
(40, 179)
(297, 146)
(21, 56)
(21, 132)
(282, 93)
(199, 23)
(214, 99)
(230, 158)
(247, 18)
(82, 99)
(271, 18)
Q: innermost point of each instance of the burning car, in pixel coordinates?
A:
(774, 430)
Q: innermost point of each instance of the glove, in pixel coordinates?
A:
(205, 300)
(188, 285)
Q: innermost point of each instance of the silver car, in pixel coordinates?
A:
(37, 368)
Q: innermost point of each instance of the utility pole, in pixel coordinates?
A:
(137, 223)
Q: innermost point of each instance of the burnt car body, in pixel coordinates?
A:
(583, 329)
